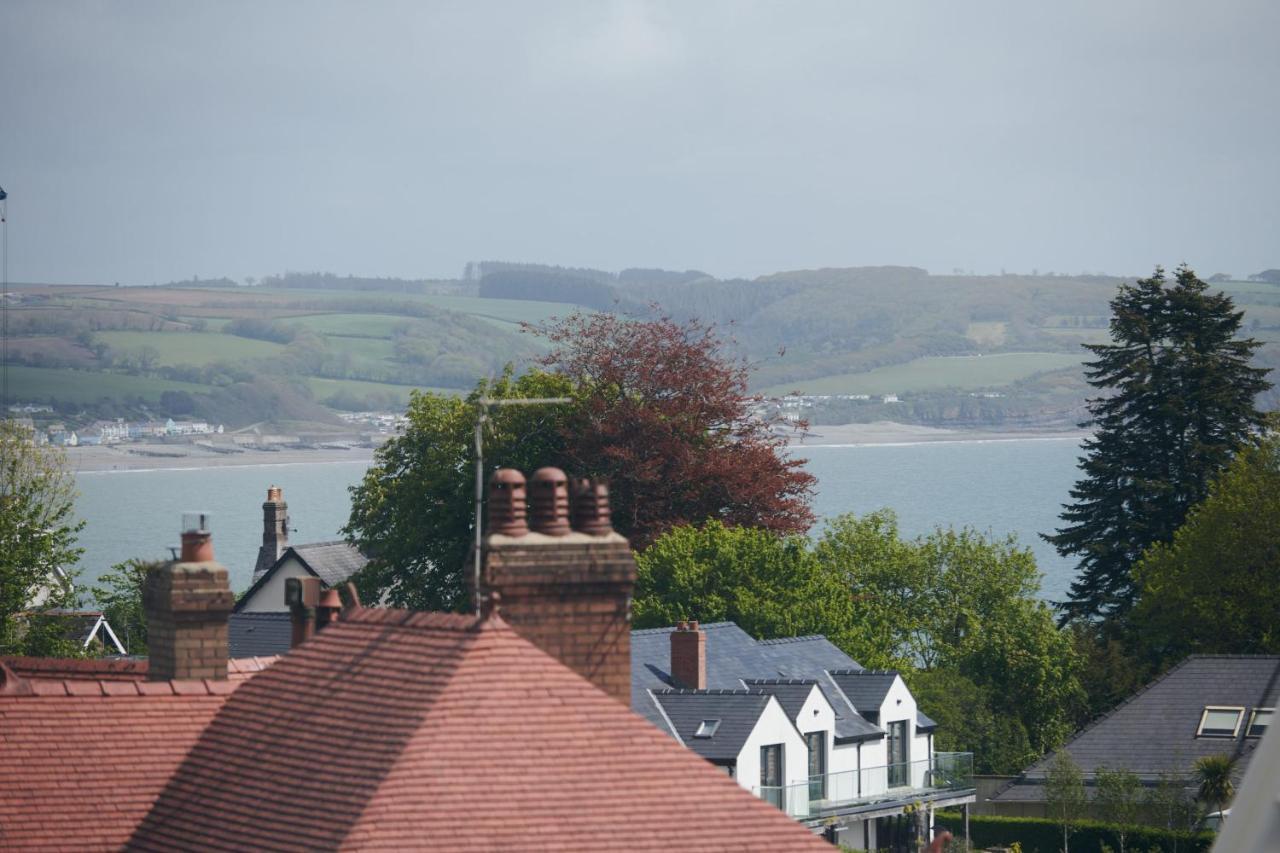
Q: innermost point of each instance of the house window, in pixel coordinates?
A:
(1259, 721)
(707, 728)
(1220, 722)
(771, 773)
(898, 754)
(817, 744)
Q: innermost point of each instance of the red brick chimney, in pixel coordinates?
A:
(275, 531)
(187, 602)
(311, 609)
(689, 656)
(565, 588)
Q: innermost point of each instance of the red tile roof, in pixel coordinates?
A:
(424, 730)
(82, 758)
(78, 770)
(117, 669)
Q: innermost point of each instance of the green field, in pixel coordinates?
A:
(351, 325)
(195, 348)
(35, 384)
(935, 373)
(326, 388)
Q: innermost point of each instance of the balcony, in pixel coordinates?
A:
(840, 792)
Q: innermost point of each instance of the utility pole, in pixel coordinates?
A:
(4, 299)
(482, 416)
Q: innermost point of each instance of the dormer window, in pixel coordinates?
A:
(1220, 721)
(707, 728)
(1259, 722)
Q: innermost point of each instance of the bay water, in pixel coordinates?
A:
(1014, 486)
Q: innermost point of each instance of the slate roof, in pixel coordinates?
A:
(865, 688)
(737, 711)
(791, 693)
(733, 657)
(82, 759)
(1154, 730)
(394, 729)
(332, 562)
(253, 633)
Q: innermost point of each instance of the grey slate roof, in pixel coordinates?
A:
(737, 711)
(734, 656)
(259, 634)
(332, 562)
(1154, 730)
(791, 694)
(866, 688)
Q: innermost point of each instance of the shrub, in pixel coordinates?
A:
(1039, 835)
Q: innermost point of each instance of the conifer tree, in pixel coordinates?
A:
(1178, 401)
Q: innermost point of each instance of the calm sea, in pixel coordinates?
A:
(1003, 487)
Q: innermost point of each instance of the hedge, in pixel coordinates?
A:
(1040, 835)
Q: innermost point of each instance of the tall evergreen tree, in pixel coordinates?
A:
(1178, 401)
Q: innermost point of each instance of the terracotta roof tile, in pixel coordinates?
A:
(80, 771)
(393, 730)
(114, 669)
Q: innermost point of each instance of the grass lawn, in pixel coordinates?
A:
(39, 384)
(935, 373)
(197, 348)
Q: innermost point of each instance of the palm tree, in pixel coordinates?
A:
(1215, 776)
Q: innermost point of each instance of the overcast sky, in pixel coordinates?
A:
(146, 142)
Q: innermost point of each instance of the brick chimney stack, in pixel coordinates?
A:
(564, 587)
(689, 656)
(275, 531)
(187, 602)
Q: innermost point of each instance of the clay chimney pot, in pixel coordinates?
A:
(507, 496)
(549, 502)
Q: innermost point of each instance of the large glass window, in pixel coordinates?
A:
(1220, 722)
(817, 743)
(771, 773)
(898, 754)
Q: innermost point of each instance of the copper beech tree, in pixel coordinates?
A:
(663, 415)
(659, 409)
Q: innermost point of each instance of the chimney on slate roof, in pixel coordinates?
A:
(187, 602)
(275, 531)
(565, 588)
(689, 656)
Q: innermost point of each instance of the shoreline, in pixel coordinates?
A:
(890, 434)
(119, 458)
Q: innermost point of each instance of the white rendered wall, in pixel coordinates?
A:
(270, 596)
(774, 726)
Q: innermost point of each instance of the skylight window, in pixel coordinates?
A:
(1220, 721)
(1259, 721)
(707, 728)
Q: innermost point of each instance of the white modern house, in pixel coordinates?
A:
(842, 749)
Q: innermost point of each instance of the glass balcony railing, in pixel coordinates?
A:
(946, 771)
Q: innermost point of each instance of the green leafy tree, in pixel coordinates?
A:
(659, 410)
(413, 511)
(1118, 794)
(119, 594)
(1215, 777)
(965, 603)
(1213, 588)
(37, 543)
(1170, 803)
(770, 585)
(1064, 794)
(1177, 402)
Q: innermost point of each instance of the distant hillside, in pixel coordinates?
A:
(870, 342)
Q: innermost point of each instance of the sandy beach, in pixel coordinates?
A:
(887, 432)
(144, 457)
